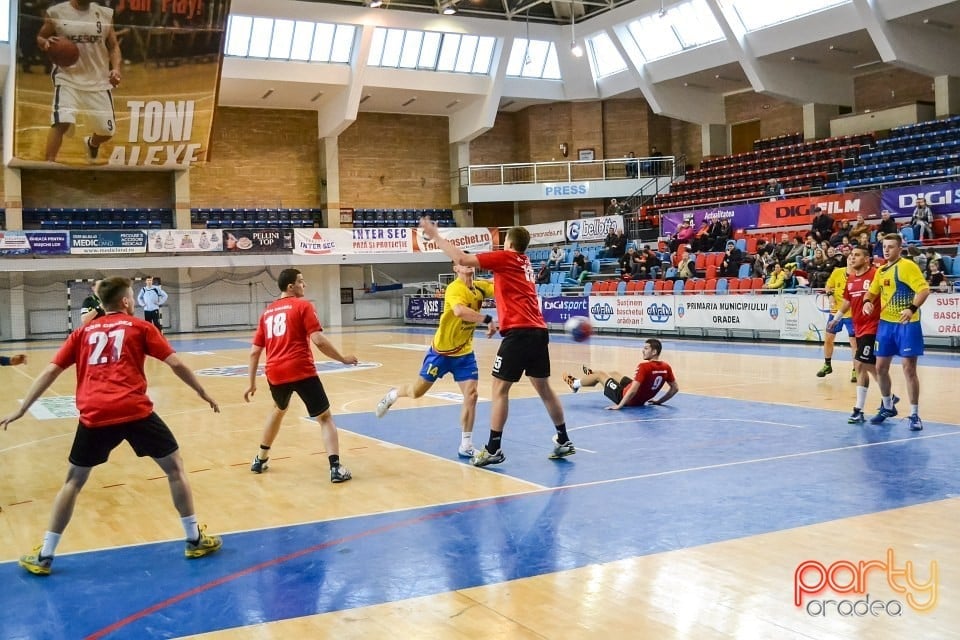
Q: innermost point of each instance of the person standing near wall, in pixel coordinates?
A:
(151, 298)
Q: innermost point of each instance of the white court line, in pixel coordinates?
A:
(698, 419)
(755, 460)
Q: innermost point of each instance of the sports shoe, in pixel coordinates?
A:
(586, 370)
(386, 402)
(853, 375)
(483, 457)
(895, 399)
(883, 414)
(916, 424)
(204, 545)
(259, 466)
(339, 474)
(467, 452)
(857, 417)
(824, 370)
(35, 563)
(92, 151)
(572, 382)
(562, 450)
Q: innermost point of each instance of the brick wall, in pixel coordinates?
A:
(626, 125)
(499, 144)
(46, 188)
(395, 161)
(259, 158)
(776, 116)
(891, 87)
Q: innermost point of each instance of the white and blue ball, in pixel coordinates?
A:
(579, 328)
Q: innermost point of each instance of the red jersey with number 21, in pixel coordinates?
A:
(284, 331)
(109, 354)
(514, 290)
(856, 292)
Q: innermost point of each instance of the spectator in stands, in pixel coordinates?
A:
(860, 227)
(808, 253)
(863, 240)
(922, 220)
(777, 279)
(822, 227)
(650, 262)
(555, 259)
(688, 265)
(878, 248)
(732, 258)
(630, 263)
(656, 166)
(887, 225)
(702, 240)
(773, 190)
(615, 208)
(784, 248)
(796, 250)
(631, 166)
(835, 258)
(684, 235)
(579, 269)
(917, 257)
(819, 269)
(935, 278)
(842, 231)
(543, 275)
(763, 262)
(608, 243)
(721, 234)
(935, 258)
(619, 247)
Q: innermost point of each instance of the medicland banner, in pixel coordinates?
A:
(942, 198)
(799, 211)
(185, 241)
(640, 312)
(143, 84)
(547, 233)
(741, 216)
(107, 242)
(593, 229)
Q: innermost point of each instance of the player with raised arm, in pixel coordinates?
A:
(647, 382)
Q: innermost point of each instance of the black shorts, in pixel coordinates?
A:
(148, 437)
(865, 349)
(614, 390)
(523, 351)
(310, 391)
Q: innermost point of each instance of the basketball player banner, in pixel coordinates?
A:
(107, 242)
(117, 83)
(41, 243)
(185, 241)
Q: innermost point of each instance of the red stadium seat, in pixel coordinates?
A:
(710, 285)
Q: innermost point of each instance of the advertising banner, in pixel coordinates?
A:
(652, 312)
(559, 309)
(392, 240)
(548, 233)
(942, 198)
(741, 216)
(107, 242)
(318, 242)
(419, 308)
(593, 229)
(472, 239)
(134, 82)
(799, 211)
(258, 240)
(940, 315)
(49, 243)
(760, 313)
(804, 317)
(185, 241)
(14, 243)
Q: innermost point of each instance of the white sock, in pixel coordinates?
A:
(914, 409)
(861, 397)
(50, 542)
(466, 440)
(190, 527)
(887, 402)
(576, 383)
(392, 396)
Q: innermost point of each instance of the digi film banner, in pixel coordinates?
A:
(117, 83)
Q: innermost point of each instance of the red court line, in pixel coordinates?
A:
(297, 554)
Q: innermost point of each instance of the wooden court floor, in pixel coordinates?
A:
(738, 586)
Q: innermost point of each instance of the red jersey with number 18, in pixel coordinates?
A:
(284, 331)
(109, 354)
(514, 290)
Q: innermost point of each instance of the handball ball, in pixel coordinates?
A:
(579, 328)
(63, 52)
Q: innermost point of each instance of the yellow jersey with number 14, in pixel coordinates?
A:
(454, 336)
(896, 284)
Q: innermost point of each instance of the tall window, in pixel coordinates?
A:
(604, 57)
(682, 26)
(4, 20)
(431, 51)
(276, 39)
(533, 59)
(756, 14)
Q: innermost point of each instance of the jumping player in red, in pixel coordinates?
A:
(645, 385)
(860, 274)
(524, 348)
(109, 353)
(287, 328)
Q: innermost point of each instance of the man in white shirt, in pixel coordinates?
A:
(151, 298)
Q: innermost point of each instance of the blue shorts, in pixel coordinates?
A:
(895, 339)
(462, 367)
(845, 323)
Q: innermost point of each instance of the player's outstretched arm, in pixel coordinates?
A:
(674, 388)
(41, 384)
(183, 372)
(455, 253)
(326, 348)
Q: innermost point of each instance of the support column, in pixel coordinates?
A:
(324, 289)
(946, 90)
(715, 139)
(13, 198)
(181, 199)
(459, 178)
(816, 120)
(330, 180)
(187, 314)
(18, 309)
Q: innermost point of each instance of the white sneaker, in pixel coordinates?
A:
(386, 402)
(467, 452)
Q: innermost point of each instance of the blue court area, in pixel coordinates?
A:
(643, 481)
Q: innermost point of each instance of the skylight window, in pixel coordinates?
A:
(255, 37)
(756, 14)
(431, 51)
(533, 59)
(604, 57)
(681, 27)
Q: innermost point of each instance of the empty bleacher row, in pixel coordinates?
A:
(50, 218)
(363, 218)
(254, 218)
(797, 166)
(719, 286)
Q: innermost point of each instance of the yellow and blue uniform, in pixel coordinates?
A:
(836, 283)
(452, 348)
(894, 289)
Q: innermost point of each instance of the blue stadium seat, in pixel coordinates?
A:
(744, 271)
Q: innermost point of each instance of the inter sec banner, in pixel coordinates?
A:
(119, 83)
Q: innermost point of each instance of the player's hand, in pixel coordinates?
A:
(46, 42)
(831, 325)
(906, 316)
(429, 227)
(115, 78)
(248, 394)
(213, 403)
(351, 360)
(867, 307)
(20, 358)
(613, 407)
(16, 415)
(492, 329)
(656, 403)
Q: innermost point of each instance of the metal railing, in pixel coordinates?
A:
(568, 171)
